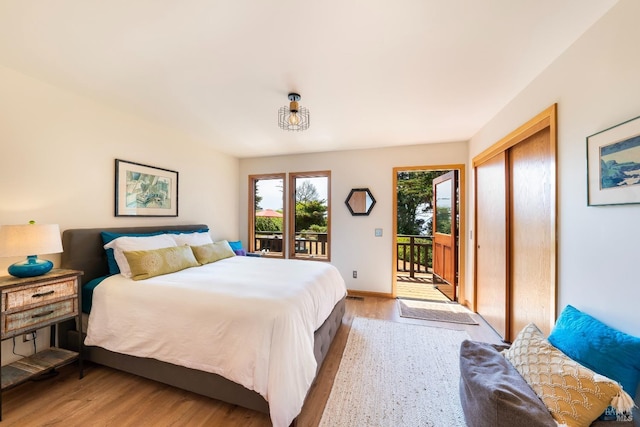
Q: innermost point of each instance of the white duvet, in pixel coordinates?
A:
(248, 319)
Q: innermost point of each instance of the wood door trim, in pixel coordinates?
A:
(251, 213)
(546, 118)
(291, 227)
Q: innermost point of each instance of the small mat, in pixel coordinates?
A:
(436, 311)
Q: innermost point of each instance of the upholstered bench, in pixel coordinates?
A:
(494, 394)
(584, 372)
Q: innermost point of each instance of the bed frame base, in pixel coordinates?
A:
(204, 383)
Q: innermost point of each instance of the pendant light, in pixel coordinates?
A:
(294, 117)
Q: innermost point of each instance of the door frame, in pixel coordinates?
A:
(545, 119)
(462, 229)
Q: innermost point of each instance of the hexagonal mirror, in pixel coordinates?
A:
(360, 201)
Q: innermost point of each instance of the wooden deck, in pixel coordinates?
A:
(419, 287)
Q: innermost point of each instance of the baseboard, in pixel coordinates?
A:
(351, 292)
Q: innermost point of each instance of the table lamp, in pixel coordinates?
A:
(30, 240)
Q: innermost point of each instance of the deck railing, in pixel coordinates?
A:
(414, 254)
(305, 243)
(270, 241)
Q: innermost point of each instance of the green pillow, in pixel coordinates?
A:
(155, 262)
(212, 252)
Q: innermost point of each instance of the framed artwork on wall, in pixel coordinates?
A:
(613, 165)
(143, 190)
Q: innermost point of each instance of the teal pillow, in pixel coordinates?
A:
(599, 347)
(236, 245)
(202, 230)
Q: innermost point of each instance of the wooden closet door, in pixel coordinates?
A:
(515, 253)
(491, 242)
(532, 234)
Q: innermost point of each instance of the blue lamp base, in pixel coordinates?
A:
(31, 267)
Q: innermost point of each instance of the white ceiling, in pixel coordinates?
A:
(372, 72)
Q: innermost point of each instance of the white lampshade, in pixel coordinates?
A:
(29, 239)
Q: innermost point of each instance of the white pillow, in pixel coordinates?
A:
(130, 243)
(192, 239)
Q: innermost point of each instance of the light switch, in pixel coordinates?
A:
(378, 232)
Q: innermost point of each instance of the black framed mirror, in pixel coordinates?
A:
(360, 201)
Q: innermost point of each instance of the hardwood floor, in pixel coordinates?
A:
(106, 397)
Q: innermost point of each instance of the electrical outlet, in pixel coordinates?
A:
(29, 337)
(355, 274)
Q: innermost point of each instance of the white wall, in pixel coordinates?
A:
(57, 153)
(596, 85)
(353, 244)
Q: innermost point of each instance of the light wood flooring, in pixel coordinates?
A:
(106, 397)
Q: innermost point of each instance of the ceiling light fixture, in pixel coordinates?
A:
(294, 117)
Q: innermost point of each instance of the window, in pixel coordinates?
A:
(267, 232)
(310, 215)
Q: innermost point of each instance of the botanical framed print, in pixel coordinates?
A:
(143, 190)
(613, 165)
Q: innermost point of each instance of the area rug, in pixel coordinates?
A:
(437, 311)
(396, 374)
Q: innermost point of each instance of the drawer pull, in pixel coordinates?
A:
(43, 314)
(43, 294)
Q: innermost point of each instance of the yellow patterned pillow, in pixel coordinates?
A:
(574, 395)
(212, 252)
(151, 263)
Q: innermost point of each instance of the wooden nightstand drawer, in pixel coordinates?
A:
(14, 323)
(25, 296)
(32, 303)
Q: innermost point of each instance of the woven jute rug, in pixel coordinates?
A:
(395, 374)
(437, 311)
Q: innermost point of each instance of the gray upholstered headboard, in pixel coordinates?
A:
(83, 247)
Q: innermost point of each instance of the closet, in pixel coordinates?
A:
(515, 228)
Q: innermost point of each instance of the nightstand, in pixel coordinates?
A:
(33, 303)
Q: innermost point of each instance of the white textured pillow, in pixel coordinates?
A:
(130, 243)
(192, 239)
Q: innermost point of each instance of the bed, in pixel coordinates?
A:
(83, 250)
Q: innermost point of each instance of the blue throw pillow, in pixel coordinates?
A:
(236, 245)
(599, 347)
